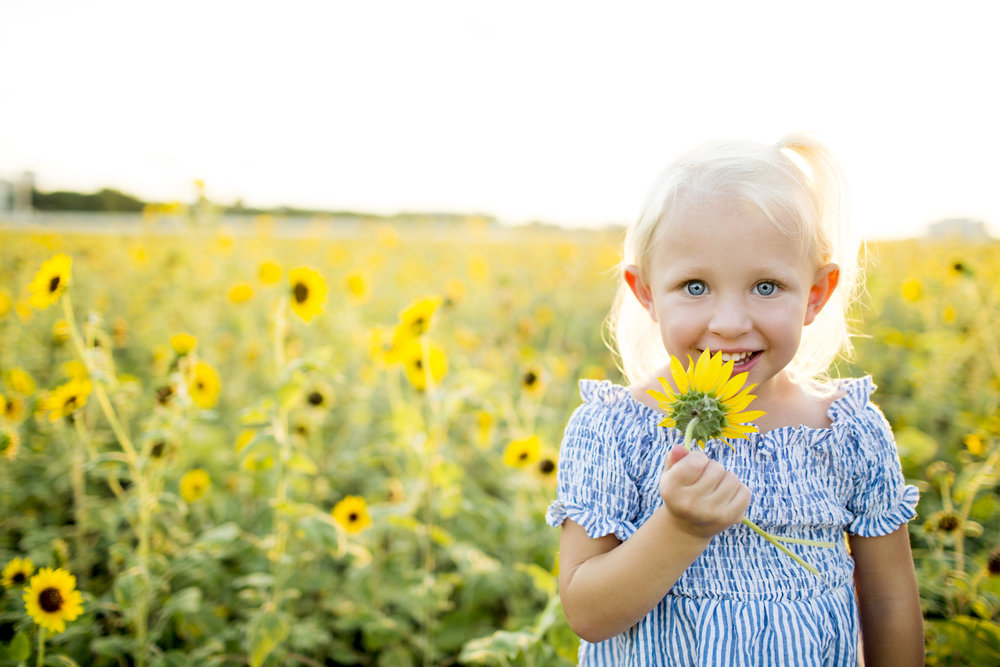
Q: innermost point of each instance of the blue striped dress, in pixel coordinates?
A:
(742, 601)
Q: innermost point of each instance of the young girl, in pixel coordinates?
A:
(741, 249)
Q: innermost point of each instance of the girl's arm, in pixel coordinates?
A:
(892, 627)
(607, 586)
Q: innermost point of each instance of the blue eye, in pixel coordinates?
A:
(765, 288)
(695, 287)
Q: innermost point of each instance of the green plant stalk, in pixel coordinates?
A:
(78, 484)
(145, 503)
(773, 539)
(434, 430)
(41, 647)
(971, 490)
(280, 431)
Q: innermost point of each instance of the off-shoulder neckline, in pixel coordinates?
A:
(856, 392)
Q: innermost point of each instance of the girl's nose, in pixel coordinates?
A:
(730, 319)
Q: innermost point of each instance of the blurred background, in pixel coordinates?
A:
(558, 111)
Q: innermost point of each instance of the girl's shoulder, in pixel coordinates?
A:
(612, 409)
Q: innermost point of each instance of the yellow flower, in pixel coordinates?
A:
(546, 468)
(52, 599)
(352, 514)
(5, 302)
(415, 319)
(240, 293)
(203, 385)
(910, 289)
(50, 282)
(194, 484)
(523, 452)
(10, 442)
(269, 273)
(12, 408)
(20, 381)
(61, 331)
(17, 572)
(66, 399)
(974, 444)
(532, 381)
(414, 360)
(357, 287)
(708, 402)
(183, 343)
(308, 292)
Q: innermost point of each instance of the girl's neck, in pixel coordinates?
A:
(789, 403)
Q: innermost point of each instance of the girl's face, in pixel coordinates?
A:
(725, 279)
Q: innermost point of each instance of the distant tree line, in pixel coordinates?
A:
(104, 200)
(109, 200)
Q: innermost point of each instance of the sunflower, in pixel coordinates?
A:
(203, 385)
(523, 452)
(183, 343)
(269, 273)
(357, 287)
(352, 514)
(52, 599)
(50, 282)
(17, 572)
(308, 292)
(10, 442)
(21, 381)
(194, 484)
(707, 402)
(415, 319)
(422, 368)
(533, 381)
(66, 399)
(240, 292)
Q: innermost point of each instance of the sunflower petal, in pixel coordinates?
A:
(680, 376)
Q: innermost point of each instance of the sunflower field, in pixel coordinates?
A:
(231, 445)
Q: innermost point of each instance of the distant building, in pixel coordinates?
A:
(965, 229)
(15, 195)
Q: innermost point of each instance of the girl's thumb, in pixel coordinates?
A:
(676, 454)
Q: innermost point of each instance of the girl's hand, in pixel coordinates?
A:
(702, 497)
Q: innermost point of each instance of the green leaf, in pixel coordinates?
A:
(915, 447)
(268, 630)
(19, 648)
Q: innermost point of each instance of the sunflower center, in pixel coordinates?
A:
(50, 600)
(522, 455)
(530, 379)
(300, 292)
(54, 283)
(546, 466)
(352, 517)
(948, 523)
(315, 398)
(18, 578)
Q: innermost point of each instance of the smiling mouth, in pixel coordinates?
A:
(739, 358)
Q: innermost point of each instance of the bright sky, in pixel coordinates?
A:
(561, 111)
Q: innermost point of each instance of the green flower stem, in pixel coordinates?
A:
(689, 433)
(773, 539)
(41, 647)
(145, 502)
(770, 538)
(279, 429)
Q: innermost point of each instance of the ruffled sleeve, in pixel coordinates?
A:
(594, 487)
(882, 501)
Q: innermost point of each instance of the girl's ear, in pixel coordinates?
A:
(822, 288)
(640, 289)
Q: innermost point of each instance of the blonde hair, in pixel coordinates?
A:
(799, 187)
